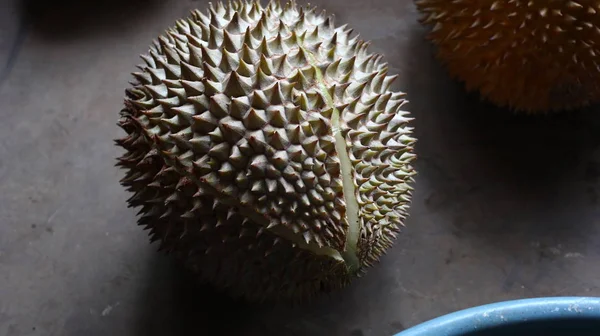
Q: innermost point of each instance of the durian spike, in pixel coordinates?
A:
(527, 56)
(265, 148)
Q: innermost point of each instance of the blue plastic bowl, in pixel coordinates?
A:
(553, 316)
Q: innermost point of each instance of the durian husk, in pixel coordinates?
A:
(266, 149)
(531, 56)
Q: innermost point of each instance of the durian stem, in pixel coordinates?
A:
(350, 253)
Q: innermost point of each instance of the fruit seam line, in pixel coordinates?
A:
(349, 192)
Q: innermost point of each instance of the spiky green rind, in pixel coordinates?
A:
(266, 149)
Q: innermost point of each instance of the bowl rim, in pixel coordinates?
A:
(507, 312)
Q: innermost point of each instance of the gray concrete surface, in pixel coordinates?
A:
(505, 207)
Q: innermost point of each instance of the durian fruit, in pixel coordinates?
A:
(266, 150)
(531, 56)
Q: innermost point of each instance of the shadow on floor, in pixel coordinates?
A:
(175, 304)
(67, 19)
(495, 175)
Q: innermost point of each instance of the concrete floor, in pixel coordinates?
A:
(505, 207)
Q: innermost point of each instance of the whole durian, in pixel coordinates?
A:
(266, 151)
(529, 55)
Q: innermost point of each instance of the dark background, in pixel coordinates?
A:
(505, 206)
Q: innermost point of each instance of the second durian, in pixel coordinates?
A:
(266, 149)
(529, 55)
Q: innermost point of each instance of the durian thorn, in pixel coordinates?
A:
(256, 217)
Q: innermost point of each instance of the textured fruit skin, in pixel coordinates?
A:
(234, 129)
(530, 55)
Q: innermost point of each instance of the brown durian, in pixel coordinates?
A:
(266, 150)
(531, 56)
